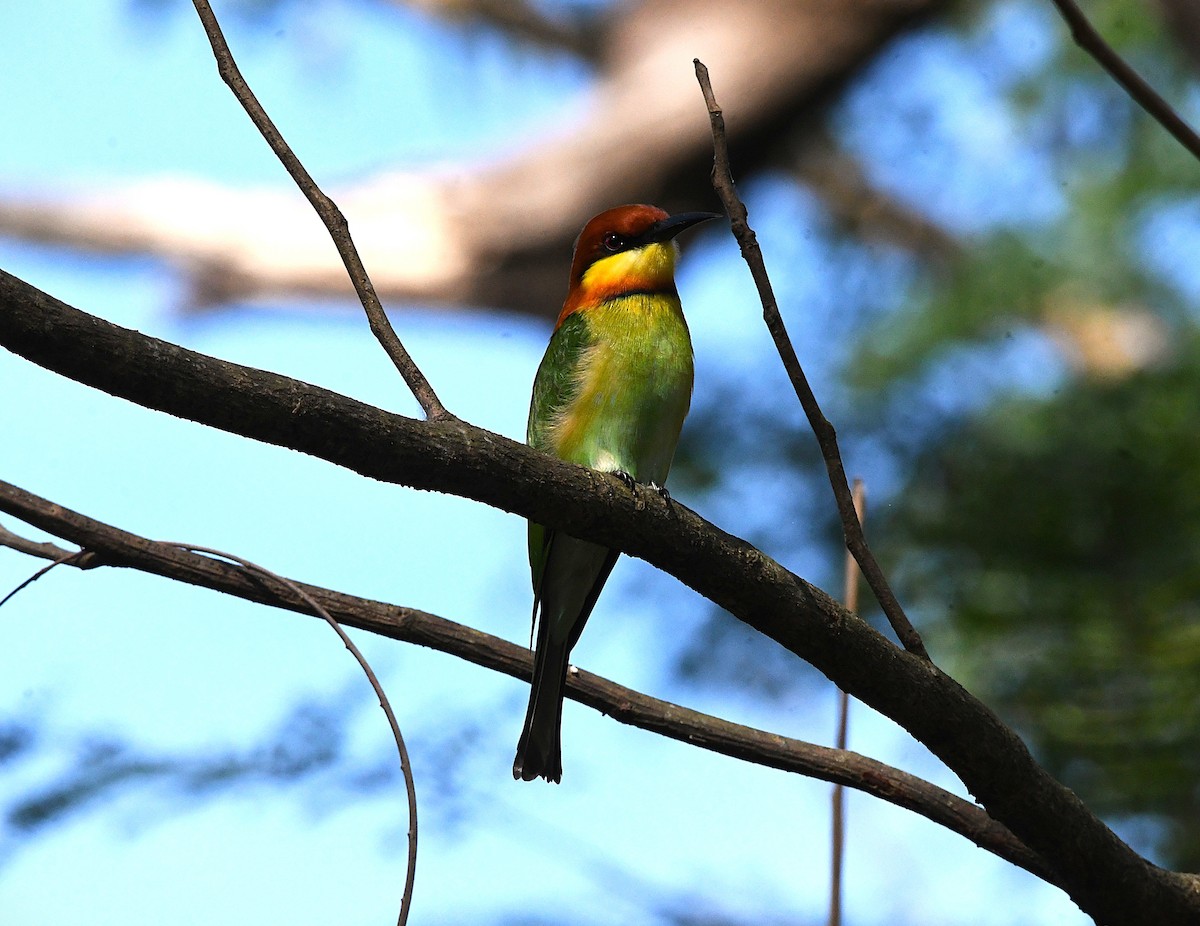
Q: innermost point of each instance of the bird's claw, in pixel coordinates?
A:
(630, 482)
(634, 486)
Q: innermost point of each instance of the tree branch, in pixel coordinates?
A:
(41, 550)
(1087, 38)
(331, 216)
(116, 547)
(856, 541)
(1102, 874)
(838, 847)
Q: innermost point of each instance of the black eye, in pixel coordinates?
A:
(613, 241)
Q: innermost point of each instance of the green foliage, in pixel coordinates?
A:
(1058, 539)
(1050, 543)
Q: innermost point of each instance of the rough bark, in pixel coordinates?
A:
(1103, 875)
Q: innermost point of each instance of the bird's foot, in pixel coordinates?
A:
(632, 485)
(630, 482)
(635, 487)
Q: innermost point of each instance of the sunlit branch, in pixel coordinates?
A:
(580, 34)
(492, 229)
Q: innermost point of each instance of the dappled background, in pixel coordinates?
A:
(984, 253)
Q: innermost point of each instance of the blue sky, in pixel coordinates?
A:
(98, 92)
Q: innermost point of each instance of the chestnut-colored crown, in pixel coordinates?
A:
(611, 231)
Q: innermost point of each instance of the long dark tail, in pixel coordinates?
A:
(574, 574)
(539, 751)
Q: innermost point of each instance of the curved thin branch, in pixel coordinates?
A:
(856, 541)
(410, 785)
(1092, 42)
(331, 216)
(1101, 873)
(89, 559)
(849, 769)
(66, 557)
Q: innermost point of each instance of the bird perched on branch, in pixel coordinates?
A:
(611, 393)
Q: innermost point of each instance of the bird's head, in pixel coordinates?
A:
(627, 249)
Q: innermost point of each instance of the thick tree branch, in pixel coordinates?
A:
(116, 547)
(1102, 874)
(863, 209)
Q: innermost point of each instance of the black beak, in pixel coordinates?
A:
(668, 228)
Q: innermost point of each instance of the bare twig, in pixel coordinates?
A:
(65, 557)
(331, 216)
(850, 600)
(1087, 38)
(622, 704)
(722, 179)
(405, 765)
(88, 559)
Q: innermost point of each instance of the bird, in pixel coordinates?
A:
(611, 394)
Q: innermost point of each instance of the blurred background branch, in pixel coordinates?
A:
(491, 232)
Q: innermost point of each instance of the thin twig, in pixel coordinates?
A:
(850, 600)
(405, 765)
(87, 559)
(330, 214)
(1087, 38)
(622, 704)
(32, 547)
(66, 558)
(722, 180)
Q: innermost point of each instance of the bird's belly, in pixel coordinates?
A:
(630, 421)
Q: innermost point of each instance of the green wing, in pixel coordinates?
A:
(554, 386)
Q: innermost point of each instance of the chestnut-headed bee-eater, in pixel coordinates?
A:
(611, 393)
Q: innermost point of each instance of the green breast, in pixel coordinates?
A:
(615, 385)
